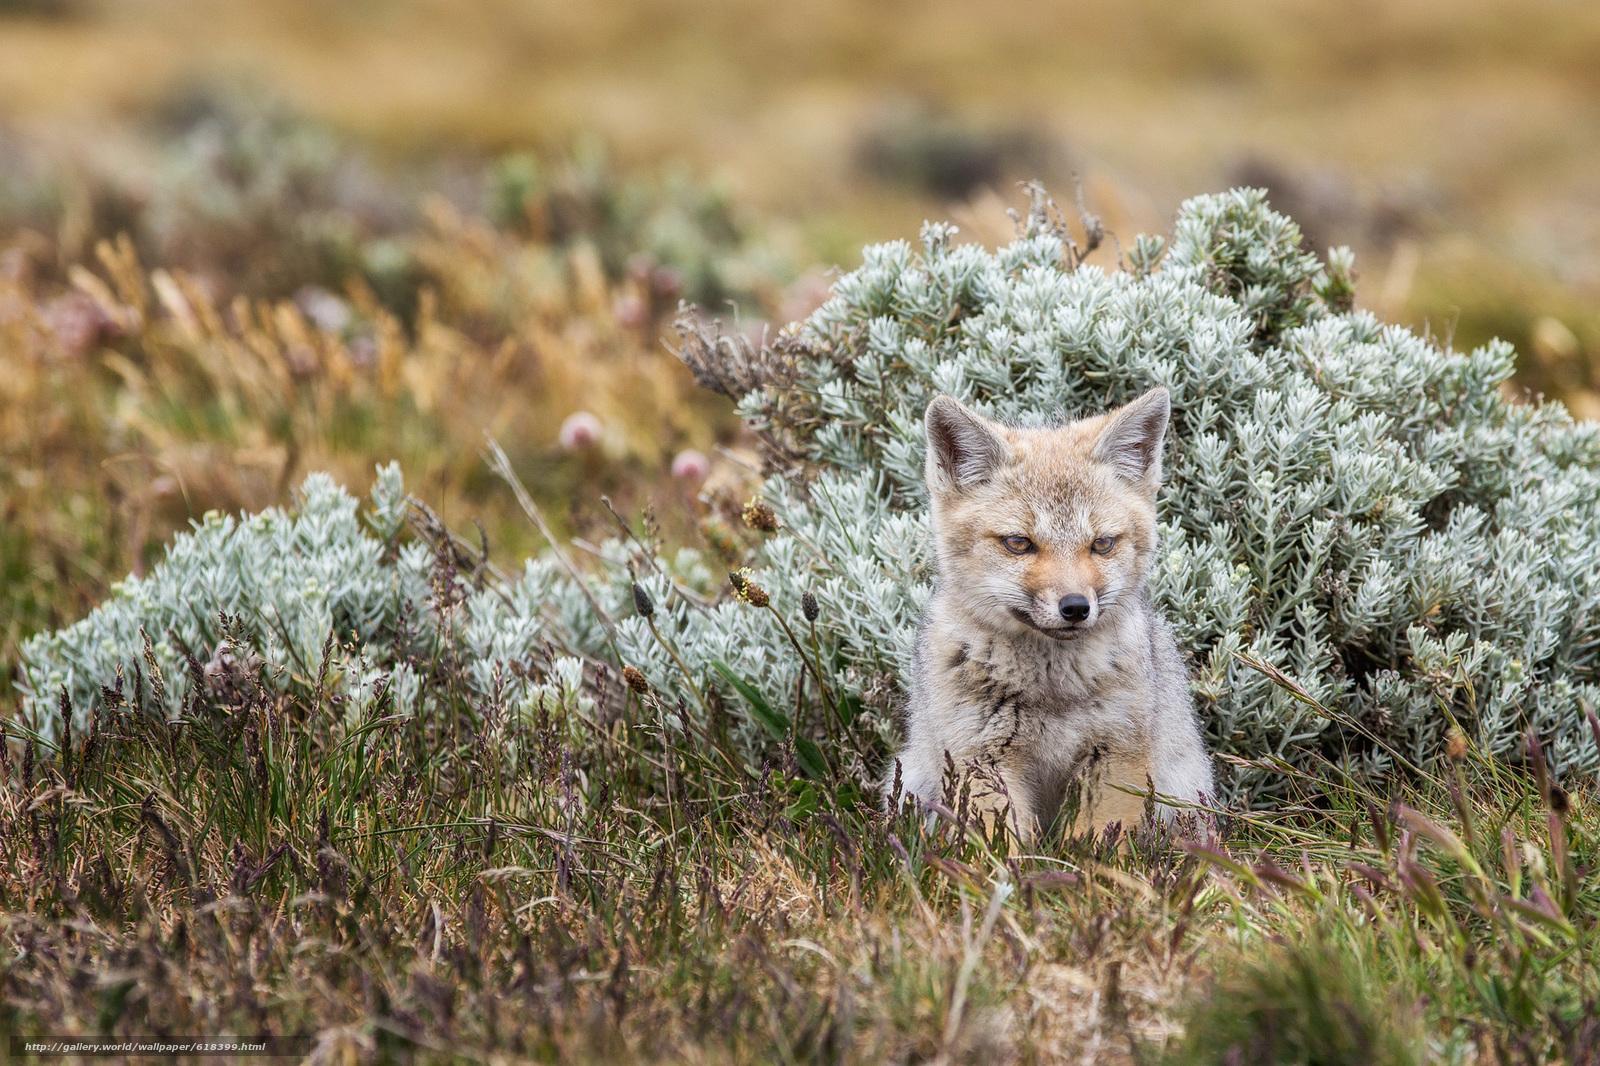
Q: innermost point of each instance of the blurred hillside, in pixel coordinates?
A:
(1454, 142)
(1469, 128)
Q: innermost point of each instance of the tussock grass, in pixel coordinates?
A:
(607, 888)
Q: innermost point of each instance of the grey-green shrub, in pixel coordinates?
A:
(1347, 502)
(324, 595)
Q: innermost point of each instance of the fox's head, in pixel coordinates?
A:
(1045, 530)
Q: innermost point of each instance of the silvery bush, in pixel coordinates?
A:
(1366, 543)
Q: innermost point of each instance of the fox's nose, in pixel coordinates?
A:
(1074, 608)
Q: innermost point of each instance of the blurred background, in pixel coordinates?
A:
(242, 241)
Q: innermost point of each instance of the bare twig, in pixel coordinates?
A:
(500, 464)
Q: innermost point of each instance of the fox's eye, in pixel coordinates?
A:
(1103, 545)
(1016, 544)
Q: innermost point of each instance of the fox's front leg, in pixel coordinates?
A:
(1179, 765)
(1001, 794)
(966, 735)
(1110, 788)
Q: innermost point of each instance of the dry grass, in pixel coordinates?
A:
(473, 883)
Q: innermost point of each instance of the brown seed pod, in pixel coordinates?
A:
(636, 680)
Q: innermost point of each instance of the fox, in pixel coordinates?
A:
(1041, 665)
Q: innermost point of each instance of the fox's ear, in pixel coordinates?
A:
(1131, 441)
(963, 449)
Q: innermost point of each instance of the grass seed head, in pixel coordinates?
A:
(759, 515)
(746, 589)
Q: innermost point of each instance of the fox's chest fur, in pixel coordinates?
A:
(1052, 705)
(1082, 679)
(1109, 711)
